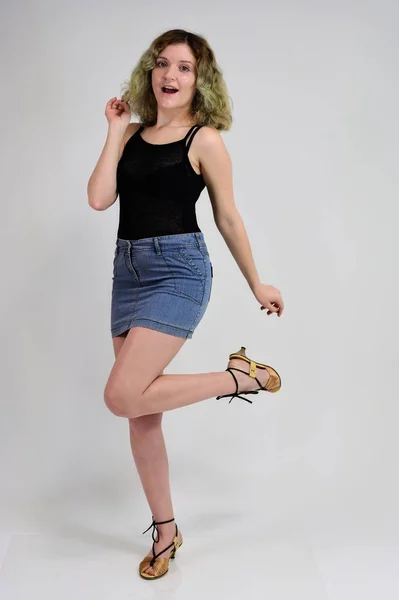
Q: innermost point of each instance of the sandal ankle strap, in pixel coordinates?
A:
(155, 528)
(236, 394)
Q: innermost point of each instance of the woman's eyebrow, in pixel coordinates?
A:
(187, 61)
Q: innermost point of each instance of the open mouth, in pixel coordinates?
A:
(169, 90)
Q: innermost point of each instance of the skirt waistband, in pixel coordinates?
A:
(196, 238)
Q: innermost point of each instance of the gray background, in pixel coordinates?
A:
(297, 494)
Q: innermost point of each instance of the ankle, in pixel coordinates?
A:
(166, 531)
(245, 381)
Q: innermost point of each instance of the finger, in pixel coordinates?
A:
(271, 309)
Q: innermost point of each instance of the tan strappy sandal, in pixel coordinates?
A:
(160, 566)
(273, 384)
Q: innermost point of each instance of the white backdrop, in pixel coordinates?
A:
(314, 146)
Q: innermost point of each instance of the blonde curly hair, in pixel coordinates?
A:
(211, 103)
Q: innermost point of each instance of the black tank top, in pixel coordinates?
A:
(157, 188)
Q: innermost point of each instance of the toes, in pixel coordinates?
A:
(149, 571)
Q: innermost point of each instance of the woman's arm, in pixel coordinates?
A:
(216, 168)
(101, 188)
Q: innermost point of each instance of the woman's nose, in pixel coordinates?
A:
(170, 71)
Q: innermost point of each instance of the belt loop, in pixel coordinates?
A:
(197, 237)
(157, 247)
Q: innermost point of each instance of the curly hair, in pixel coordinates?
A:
(210, 104)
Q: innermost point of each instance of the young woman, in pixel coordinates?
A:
(162, 274)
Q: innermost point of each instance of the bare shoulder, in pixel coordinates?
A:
(208, 135)
(130, 130)
(210, 146)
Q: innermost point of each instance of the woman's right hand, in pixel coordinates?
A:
(118, 111)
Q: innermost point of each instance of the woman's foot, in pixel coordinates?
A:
(164, 542)
(245, 382)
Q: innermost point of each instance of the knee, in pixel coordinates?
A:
(116, 401)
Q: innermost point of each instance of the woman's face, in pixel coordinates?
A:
(175, 67)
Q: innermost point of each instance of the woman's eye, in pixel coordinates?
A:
(161, 62)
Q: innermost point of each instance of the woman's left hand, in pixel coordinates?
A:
(270, 298)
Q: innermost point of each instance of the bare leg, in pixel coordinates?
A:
(136, 388)
(149, 453)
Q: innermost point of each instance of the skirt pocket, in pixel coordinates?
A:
(194, 260)
(187, 267)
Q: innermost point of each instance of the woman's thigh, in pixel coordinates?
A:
(140, 358)
(145, 421)
(118, 343)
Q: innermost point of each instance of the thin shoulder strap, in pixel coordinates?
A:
(188, 133)
(192, 131)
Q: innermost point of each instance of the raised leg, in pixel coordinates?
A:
(136, 386)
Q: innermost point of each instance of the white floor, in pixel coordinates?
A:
(234, 565)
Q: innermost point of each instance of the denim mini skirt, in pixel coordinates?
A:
(163, 283)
